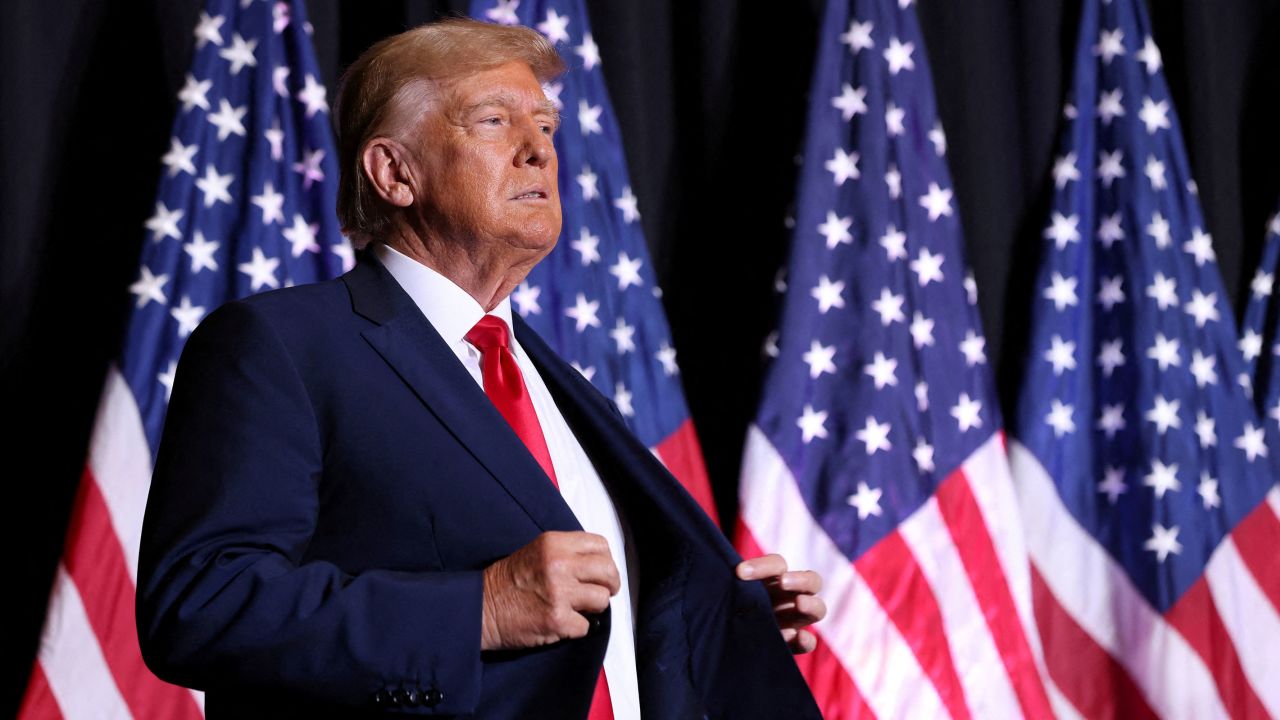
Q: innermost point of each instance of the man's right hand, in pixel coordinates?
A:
(539, 594)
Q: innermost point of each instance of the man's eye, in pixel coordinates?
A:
(548, 130)
(495, 120)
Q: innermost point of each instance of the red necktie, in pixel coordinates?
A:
(505, 387)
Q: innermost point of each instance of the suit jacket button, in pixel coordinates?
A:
(595, 623)
(400, 696)
(412, 697)
(433, 697)
(382, 698)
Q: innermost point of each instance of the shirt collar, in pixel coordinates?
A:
(449, 308)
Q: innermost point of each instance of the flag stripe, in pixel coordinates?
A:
(993, 492)
(1094, 591)
(893, 574)
(1081, 669)
(1062, 707)
(964, 519)
(1258, 537)
(1196, 617)
(867, 643)
(38, 702)
(682, 454)
(95, 562)
(987, 688)
(834, 691)
(72, 661)
(1246, 613)
(121, 462)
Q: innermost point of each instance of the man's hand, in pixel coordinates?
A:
(539, 594)
(794, 595)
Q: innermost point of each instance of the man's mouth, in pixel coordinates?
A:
(535, 194)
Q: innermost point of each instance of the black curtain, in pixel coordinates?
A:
(711, 98)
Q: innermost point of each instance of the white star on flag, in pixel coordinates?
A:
(858, 37)
(149, 287)
(164, 223)
(240, 54)
(627, 270)
(261, 271)
(836, 230)
(883, 371)
(866, 500)
(584, 312)
(208, 30)
(526, 299)
(313, 95)
(1163, 542)
(937, 201)
(555, 27)
(843, 166)
(874, 435)
(179, 157)
(828, 294)
(819, 358)
(898, 55)
(967, 413)
(850, 101)
(627, 204)
(586, 245)
(201, 252)
(227, 119)
(215, 186)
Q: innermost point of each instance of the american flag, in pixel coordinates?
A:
(1260, 333)
(594, 299)
(246, 203)
(877, 456)
(1143, 470)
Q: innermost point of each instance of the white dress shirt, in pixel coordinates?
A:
(453, 313)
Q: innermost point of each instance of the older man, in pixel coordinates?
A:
(371, 495)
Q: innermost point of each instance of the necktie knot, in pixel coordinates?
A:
(491, 332)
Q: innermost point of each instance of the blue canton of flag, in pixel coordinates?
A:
(1260, 339)
(876, 453)
(247, 198)
(1143, 466)
(594, 298)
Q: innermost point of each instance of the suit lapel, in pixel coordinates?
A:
(408, 342)
(615, 449)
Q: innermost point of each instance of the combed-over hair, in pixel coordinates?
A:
(374, 90)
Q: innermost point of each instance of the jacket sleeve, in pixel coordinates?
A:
(225, 600)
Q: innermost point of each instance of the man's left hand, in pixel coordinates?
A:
(795, 598)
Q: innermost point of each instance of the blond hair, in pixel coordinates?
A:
(374, 96)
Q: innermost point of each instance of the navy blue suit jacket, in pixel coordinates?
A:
(331, 483)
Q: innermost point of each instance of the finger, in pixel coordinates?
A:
(569, 623)
(597, 570)
(762, 568)
(803, 642)
(801, 581)
(587, 598)
(585, 543)
(804, 610)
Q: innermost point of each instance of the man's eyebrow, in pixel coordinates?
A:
(508, 100)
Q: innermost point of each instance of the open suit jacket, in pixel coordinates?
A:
(331, 483)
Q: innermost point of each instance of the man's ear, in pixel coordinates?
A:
(384, 163)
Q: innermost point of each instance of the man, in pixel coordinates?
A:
(371, 496)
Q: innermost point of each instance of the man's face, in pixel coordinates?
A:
(486, 165)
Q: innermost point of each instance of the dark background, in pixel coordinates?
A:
(711, 98)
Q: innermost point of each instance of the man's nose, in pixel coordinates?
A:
(537, 148)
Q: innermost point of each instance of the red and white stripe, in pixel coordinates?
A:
(89, 664)
(933, 621)
(1111, 654)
